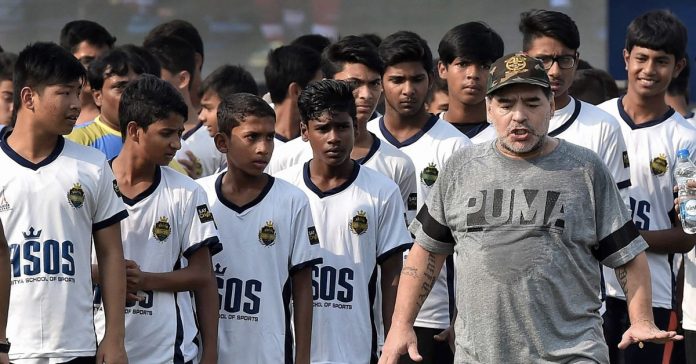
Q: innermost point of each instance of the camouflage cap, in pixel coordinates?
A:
(516, 68)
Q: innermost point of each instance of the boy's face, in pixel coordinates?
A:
(250, 144)
(109, 97)
(86, 52)
(55, 108)
(466, 81)
(439, 103)
(406, 87)
(331, 136)
(367, 88)
(208, 114)
(161, 140)
(546, 48)
(650, 71)
(6, 103)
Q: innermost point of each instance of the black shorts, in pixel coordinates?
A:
(432, 351)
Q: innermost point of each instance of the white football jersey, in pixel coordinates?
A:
(166, 222)
(588, 126)
(652, 151)
(429, 150)
(265, 242)
(359, 225)
(689, 300)
(199, 142)
(477, 133)
(49, 211)
(286, 155)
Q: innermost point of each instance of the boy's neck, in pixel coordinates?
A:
(327, 177)
(363, 142)
(644, 109)
(241, 188)
(403, 127)
(287, 122)
(131, 168)
(32, 144)
(459, 113)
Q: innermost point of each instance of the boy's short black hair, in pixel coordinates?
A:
(317, 42)
(373, 38)
(44, 64)
(439, 85)
(147, 100)
(474, 42)
(593, 86)
(178, 28)
(547, 23)
(7, 64)
(117, 62)
(331, 96)
(658, 30)
(679, 86)
(78, 31)
(173, 53)
(405, 46)
(351, 49)
(288, 64)
(152, 64)
(227, 80)
(234, 109)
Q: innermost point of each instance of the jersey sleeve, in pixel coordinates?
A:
(305, 246)
(201, 230)
(109, 207)
(618, 238)
(430, 226)
(408, 185)
(392, 236)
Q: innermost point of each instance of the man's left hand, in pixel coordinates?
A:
(646, 331)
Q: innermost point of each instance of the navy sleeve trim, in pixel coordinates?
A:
(121, 215)
(306, 264)
(399, 249)
(432, 228)
(624, 184)
(615, 241)
(212, 243)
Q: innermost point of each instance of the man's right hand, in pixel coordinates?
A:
(400, 340)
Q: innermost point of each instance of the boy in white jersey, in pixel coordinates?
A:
(654, 55)
(4, 293)
(359, 220)
(466, 53)
(169, 222)
(429, 141)
(50, 315)
(268, 239)
(553, 38)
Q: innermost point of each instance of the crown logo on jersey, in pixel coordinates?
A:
(429, 174)
(358, 225)
(659, 165)
(4, 205)
(31, 234)
(220, 270)
(267, 234)
(76, 196)
(162, 229)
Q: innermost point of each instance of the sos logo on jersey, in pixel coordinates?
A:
(237, 296)
(48, 257)
(331, 284)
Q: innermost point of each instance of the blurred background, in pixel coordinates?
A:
(242, 31)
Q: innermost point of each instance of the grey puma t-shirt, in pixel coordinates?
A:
(529, 237)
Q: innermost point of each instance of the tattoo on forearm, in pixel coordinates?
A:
(409, 271)
(622, 277)
(429, 275)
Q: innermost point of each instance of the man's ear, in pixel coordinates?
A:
(294, 90)
(183, 80)
(221, 142)
(97, 97)
(26, 98)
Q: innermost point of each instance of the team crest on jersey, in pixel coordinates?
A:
(4, 205)
(267, 234)
(658, 166)
(76, 196)
(358, 225)
(429, 174)
(626, 163)
(117, 190)
(162, 229)
(313, 236)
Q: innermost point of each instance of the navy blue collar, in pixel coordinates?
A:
(308, 181)
(568, 122)
(627, 119)
(252, 203)
(188, 134)
(373, 149)
(282, 138)
(148, 191)
(395, 142)
(60, 144)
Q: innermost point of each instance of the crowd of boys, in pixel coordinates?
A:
(486, 213)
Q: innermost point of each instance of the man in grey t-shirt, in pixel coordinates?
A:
(530, 218)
